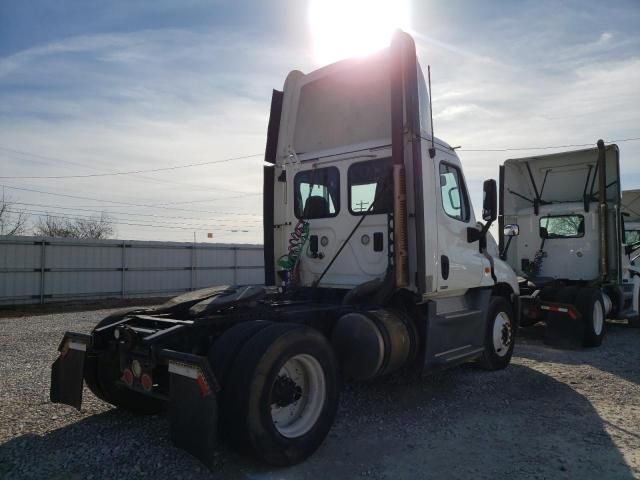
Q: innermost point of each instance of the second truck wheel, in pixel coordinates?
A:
(282, 393)
(591, 306)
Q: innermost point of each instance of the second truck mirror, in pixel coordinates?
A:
(490, 201)
(512, 230)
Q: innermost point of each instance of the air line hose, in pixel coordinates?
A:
(298, 238)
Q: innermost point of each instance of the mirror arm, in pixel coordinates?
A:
(503, 254)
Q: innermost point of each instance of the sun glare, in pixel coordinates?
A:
(348, 28)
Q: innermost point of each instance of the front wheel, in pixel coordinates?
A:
(499, 335)
(282, 394)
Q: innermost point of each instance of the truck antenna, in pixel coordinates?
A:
(432, 150)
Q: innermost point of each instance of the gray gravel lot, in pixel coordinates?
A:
(552, 414)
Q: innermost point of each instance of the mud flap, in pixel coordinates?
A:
(193, 406)
(564, 326)
(67, 371)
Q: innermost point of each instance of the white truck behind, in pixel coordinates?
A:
(561, 225)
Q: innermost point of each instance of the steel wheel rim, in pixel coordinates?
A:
(598, 318)
(302, 411)
(502, 334)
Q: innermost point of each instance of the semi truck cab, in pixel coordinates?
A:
(374, 262)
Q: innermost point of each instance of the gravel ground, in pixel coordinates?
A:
(552, 414)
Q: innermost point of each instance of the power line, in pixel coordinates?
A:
(211, 212)
(108, 201)
(512, 149)
(130, 172)
(142, 177)
(210, 200)
(235, 229)
(242, 157)
(186, 224)
(95, 210)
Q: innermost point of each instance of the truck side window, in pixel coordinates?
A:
(317, 193)
(562, 226)
(369, 181)
(454, 197)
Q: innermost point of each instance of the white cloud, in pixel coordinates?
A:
(144, 100)
(605, 37)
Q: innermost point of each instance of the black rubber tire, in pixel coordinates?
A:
(247, 398)
(490, 360)
(225, 349)
(585, 301)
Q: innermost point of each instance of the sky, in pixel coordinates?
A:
(90, 87)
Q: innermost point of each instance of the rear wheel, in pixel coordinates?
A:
(225, 349)
(282, 394)
(499, 336)
(590, 304)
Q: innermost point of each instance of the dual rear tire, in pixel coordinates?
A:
(280, 390)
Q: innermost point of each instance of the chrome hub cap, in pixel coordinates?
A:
(598, 318)
(502, 334)
(298, 395)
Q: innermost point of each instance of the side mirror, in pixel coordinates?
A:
(490, 201)
(512, 230)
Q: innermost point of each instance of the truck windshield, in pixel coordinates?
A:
(317, 193)
(369, 181)
(631, 236)
(562, 226)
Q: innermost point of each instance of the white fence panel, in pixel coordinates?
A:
(44, 270)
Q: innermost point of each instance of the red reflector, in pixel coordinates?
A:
(147, 384)
(127, 377)
(202, 384)
(572, 314)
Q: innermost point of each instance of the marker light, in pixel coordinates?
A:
(127, 377)
(146, 382)
(137, 368)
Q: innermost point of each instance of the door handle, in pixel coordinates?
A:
(444, 265)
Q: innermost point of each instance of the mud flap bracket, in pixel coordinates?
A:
(67, 372)
(193, 406)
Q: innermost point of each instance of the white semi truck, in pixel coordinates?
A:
(374, 262)
(631, 217)
(562, 232)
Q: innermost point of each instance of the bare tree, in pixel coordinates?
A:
(95, 227)
(13, 221)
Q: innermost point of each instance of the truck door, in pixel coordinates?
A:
(461, 264)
